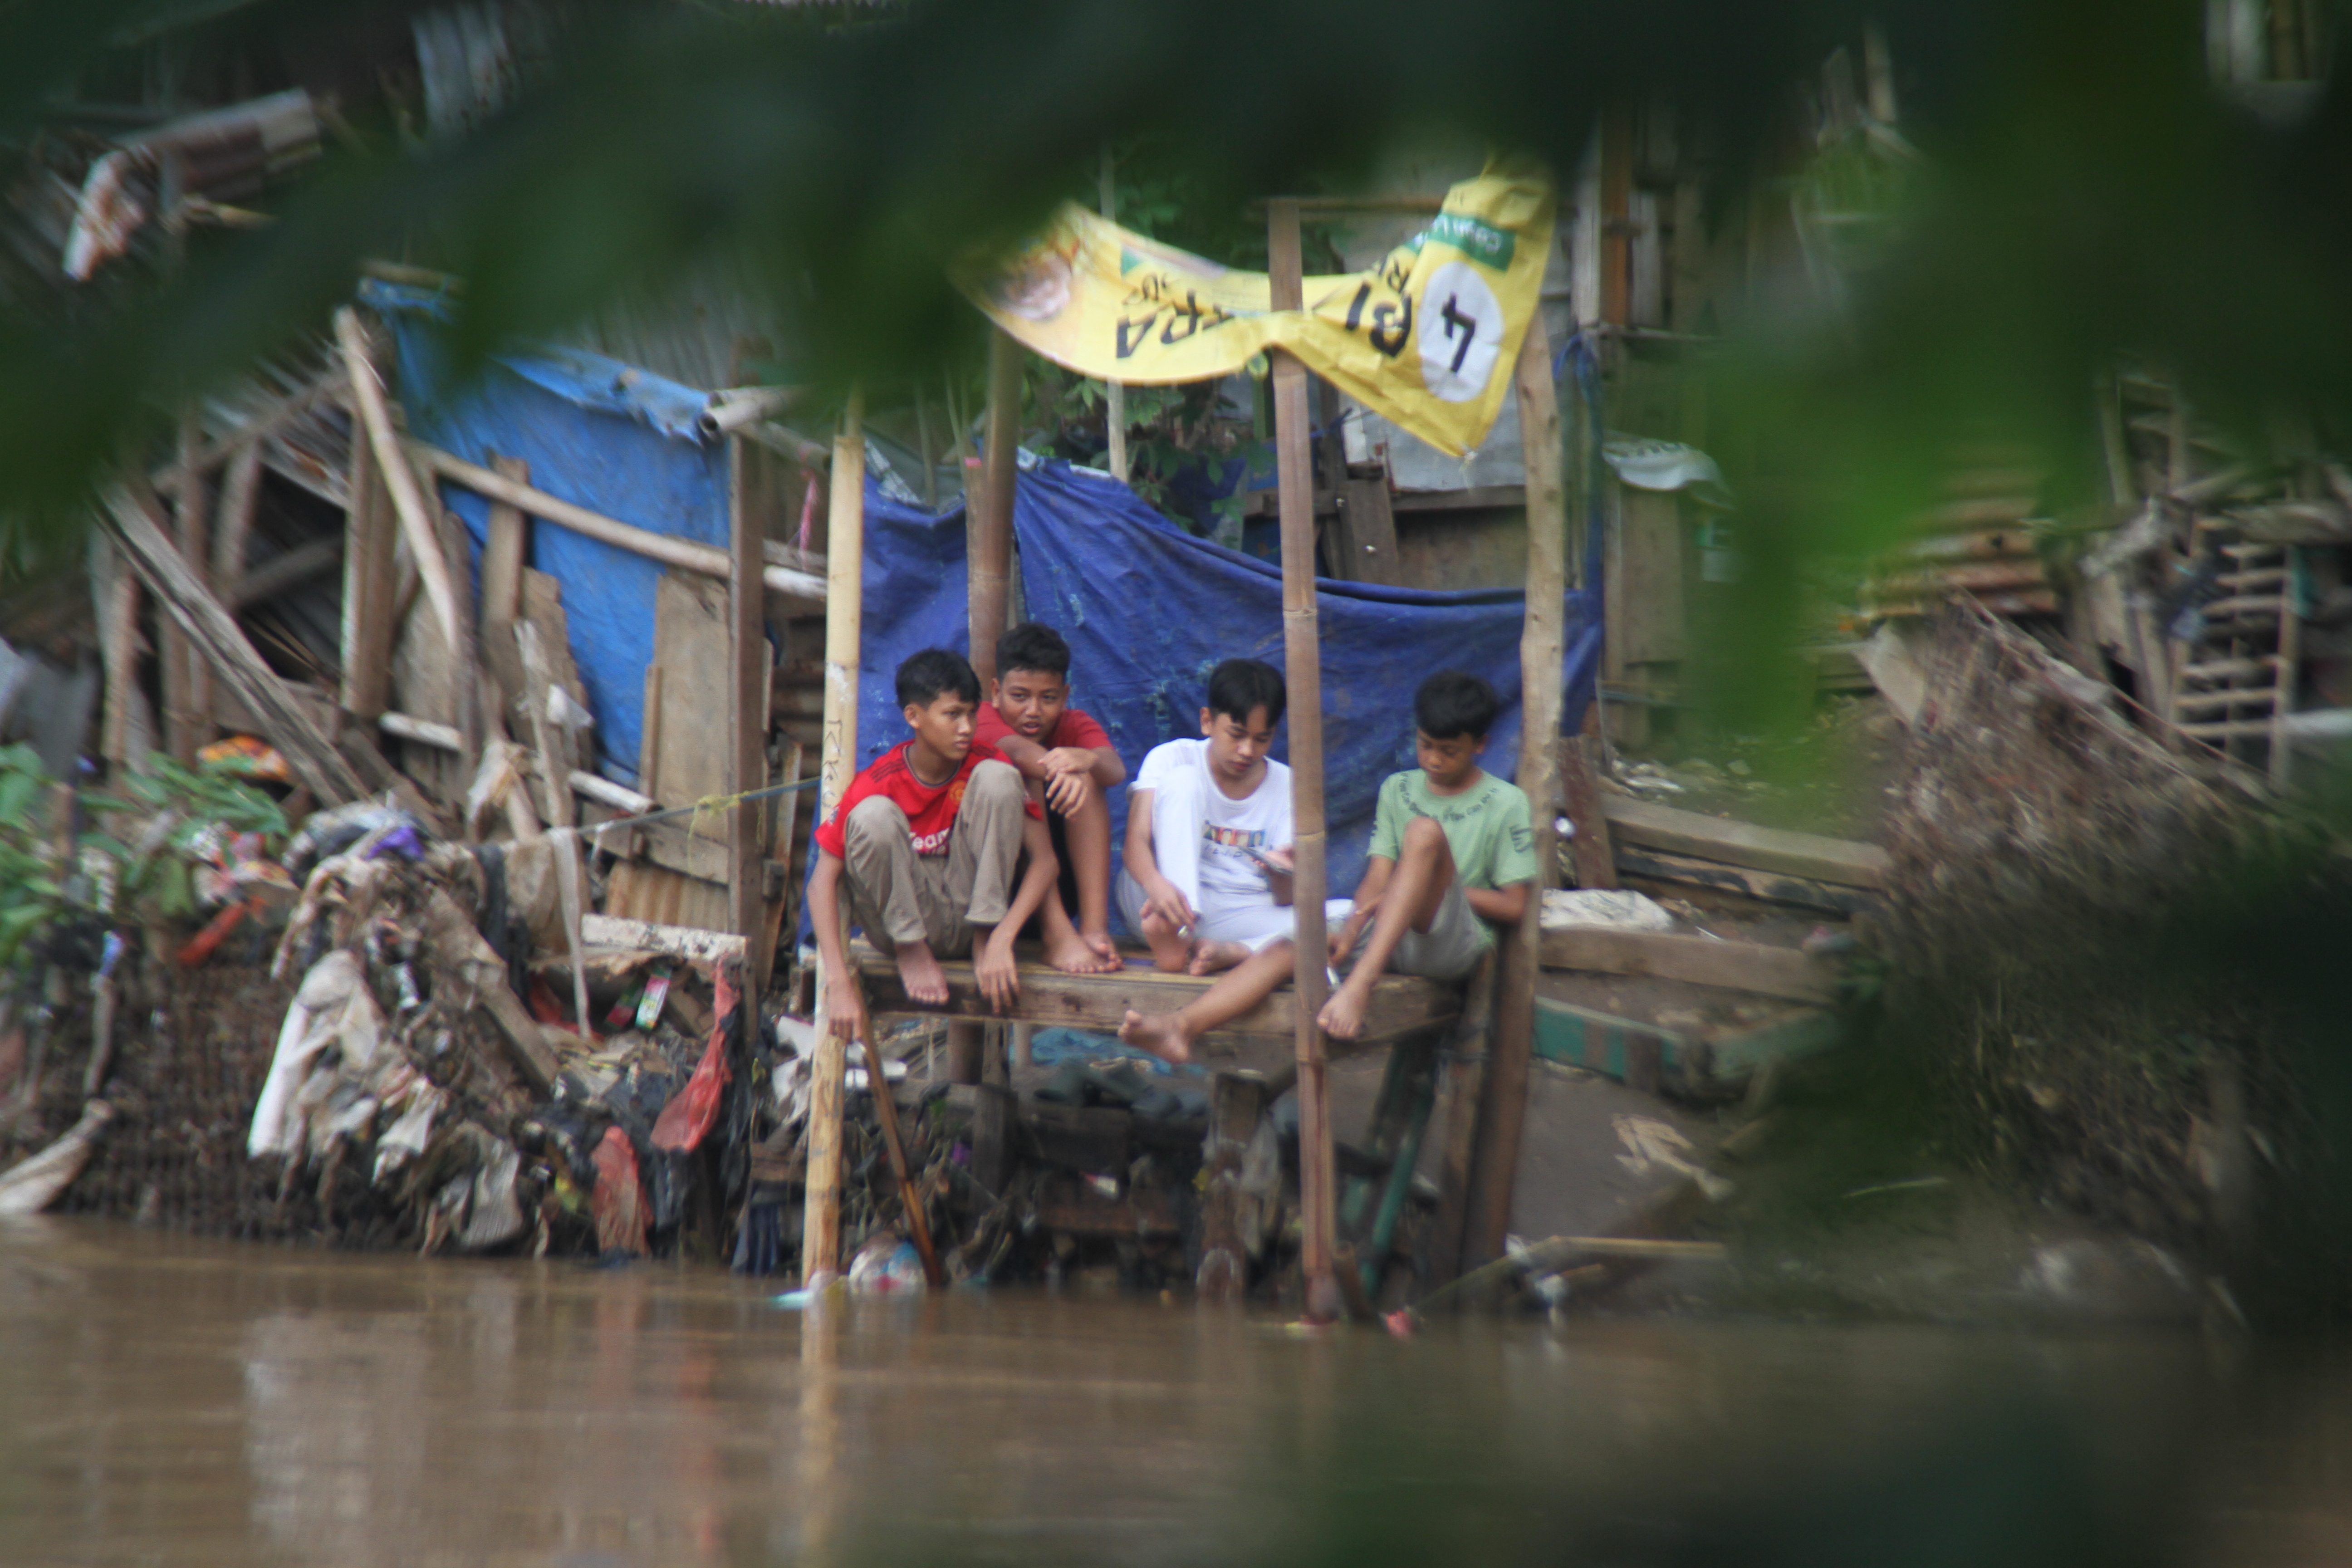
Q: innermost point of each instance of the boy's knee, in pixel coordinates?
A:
(1423, 833)
(995, 784)
(874, 818)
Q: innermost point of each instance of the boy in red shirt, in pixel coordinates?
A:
(1070, 765)
(926, 842)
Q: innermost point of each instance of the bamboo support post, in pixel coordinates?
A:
(991, 528)
(1114, 393)
(844, 548)
(408, 502)
(747, 725)
(1503, 1107)
(1318, 1202)
(231, 540)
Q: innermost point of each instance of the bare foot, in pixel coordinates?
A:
(1101, 943)
(1212, 956)
(1160, 1034)
(921, 974)
(1066, 951)
(1342, 1017)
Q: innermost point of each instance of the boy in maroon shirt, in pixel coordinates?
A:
(926, 842)
(1070, 766)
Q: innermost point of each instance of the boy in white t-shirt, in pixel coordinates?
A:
(1207, 875)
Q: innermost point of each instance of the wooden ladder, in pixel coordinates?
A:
(2233, 688)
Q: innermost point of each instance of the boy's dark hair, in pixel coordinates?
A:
(1239, 687)
(1451, 704)
(930, 674)
(1032, 645)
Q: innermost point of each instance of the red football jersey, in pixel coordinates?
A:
(1074, 727)
(930, 810)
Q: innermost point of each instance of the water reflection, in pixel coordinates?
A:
(173, 1401)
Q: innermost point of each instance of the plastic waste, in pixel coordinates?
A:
(887, 1265)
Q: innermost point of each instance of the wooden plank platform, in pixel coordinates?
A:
(1403, 1006)
(1699, 1064)
(1696, 960)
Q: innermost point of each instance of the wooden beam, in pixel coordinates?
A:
(747, 725)
(1617, 211)
(371, 585)
(686, 553)
(506, 547)
(283, 572)
(1768, 886)
(252, 433)
(187, 692)
(419, 524)
(130, 519)
(1696, 959)
(1302, 657)
(1807, 855)
(1503, 1107)
(844, 616)
(1580, 797)
(991, 528)
(233, 539)
(1401, 1005)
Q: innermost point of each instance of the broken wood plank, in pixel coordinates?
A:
(450, 934)
(129, 518)
(503, 555)
(1400, 1004)
(279, 572)
(1769, 887)
(419, 521)
(690, 555)
(1696, 960)
(232, 540)
(644, 936)
(1807, 855)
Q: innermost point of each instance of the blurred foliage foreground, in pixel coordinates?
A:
(2086, 193)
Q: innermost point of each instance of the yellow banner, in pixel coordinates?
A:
(1428, 338)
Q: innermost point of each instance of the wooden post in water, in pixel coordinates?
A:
(1114, 393)
(989, 531)
(1302, 656)
(747, 725)
(844, 590)
(1503, 1107)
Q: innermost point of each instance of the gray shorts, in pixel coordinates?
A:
(1452, 946)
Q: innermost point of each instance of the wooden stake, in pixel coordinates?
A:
(1303, 659)
(1504, 1104)
(232, 540)
(370, 580)
(991, 526)
(504, 551)
(187, 683)
(844, 548)
(117, 645)
(747, 724)
(418, 520)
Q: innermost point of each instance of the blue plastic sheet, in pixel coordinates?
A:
(1149, 610)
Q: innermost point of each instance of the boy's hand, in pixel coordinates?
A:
(1168, 904)
(1281, 860)
(845, 1003)
(1067, 789)
(993, 970)
(1344, 939)
(1069, 760)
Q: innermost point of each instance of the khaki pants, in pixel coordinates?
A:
(900, 896)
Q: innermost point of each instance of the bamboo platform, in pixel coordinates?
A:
(1402, 1006)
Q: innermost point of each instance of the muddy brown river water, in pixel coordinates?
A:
(169, 1400)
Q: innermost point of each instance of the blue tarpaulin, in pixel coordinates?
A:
(1149, 610)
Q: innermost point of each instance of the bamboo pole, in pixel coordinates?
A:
(1503, 1107)
(416, 519)
(845, 553)
(1114, 393)
(187, 682)
(1303, 659)
(746, 723)
(371, 585)
(991, 529)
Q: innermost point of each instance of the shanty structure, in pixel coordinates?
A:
(1488, 1083)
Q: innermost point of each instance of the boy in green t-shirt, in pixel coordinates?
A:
(1452, 849)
